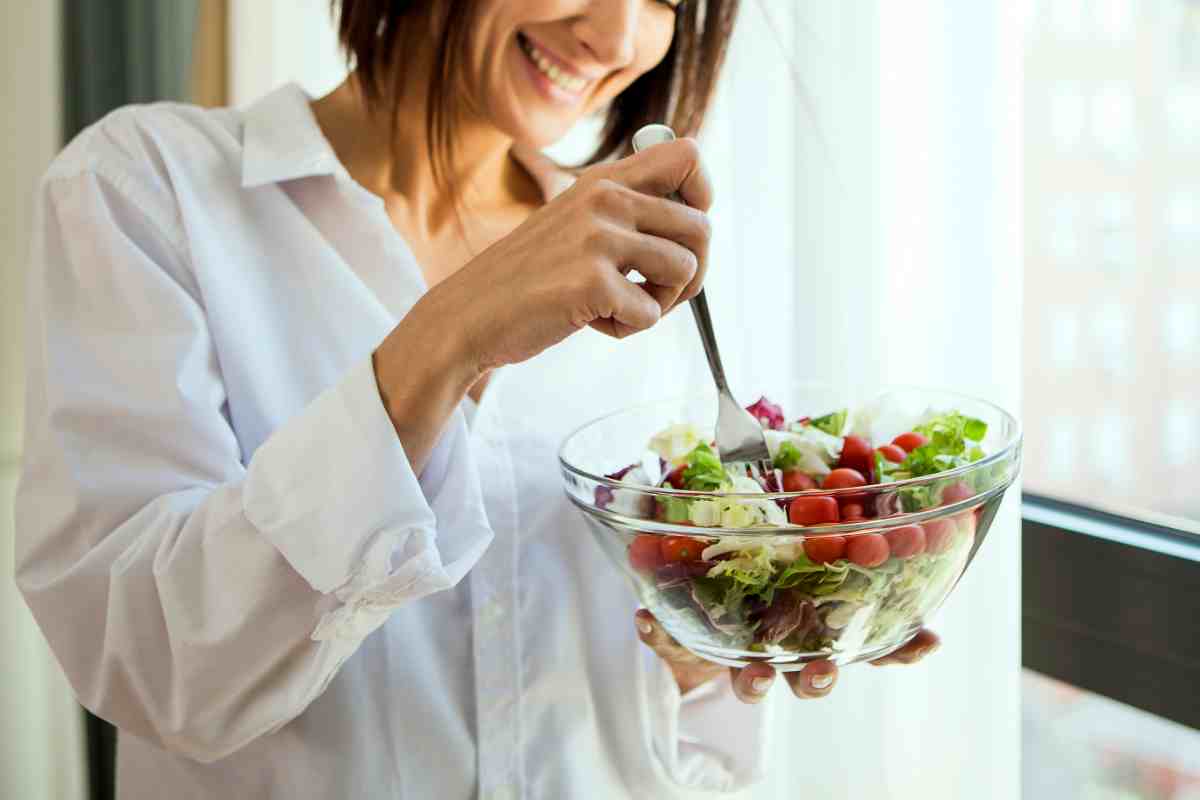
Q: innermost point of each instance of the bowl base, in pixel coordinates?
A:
(793, 662)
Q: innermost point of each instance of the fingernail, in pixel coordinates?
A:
(760, 684)
(823, 681)
(645, 627)
(924, 651)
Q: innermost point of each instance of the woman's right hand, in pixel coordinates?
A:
(563, 269)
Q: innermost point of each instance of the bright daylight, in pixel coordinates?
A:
(600, 400)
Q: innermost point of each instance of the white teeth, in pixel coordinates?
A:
(551, 70)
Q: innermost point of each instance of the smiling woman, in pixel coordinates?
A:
(517, 52)
(274, 519)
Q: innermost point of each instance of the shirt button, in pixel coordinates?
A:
(491, 612)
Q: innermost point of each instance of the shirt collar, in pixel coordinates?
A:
(281, 140)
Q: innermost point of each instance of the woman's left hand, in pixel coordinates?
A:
(751, 683)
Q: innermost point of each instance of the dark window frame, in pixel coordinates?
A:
(1111, 604)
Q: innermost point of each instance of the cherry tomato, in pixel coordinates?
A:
(939, 534)
(856, 454)
(867, 549)
(906, 541)
(813, 511)
(824, 549)
(843, 478)
(675, 476)
(892, 452)
(645, 553)
(956, 492)
(909, 441)
(682, 548)
(852, 512)
(796, 481)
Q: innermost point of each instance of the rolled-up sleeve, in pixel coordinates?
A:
(707, 742)
(193, 599)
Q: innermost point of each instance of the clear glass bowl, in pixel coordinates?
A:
(845, 610)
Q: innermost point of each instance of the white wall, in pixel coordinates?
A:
(272, 42)
(41, 746)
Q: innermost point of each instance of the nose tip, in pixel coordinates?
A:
(609, 33)
(615, 53)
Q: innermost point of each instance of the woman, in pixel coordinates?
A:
(290, 516)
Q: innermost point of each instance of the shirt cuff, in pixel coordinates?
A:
(332, 489)
(707, 740)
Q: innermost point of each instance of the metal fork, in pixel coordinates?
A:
(739, 435)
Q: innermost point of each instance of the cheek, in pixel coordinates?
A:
(654, 40)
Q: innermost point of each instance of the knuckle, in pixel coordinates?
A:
(608, 197)
(689, 150)
(690, 264)
(703, 227)
(596, 281)
(596, 239)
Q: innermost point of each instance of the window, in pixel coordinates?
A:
(1112, 288)
(1111, 538)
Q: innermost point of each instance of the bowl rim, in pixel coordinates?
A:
(1005, 452)
(873, 525)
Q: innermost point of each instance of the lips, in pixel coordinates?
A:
(547, 65)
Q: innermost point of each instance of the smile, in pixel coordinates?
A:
(559, 76)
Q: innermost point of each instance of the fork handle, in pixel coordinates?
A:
(699, 305)
(648, 136)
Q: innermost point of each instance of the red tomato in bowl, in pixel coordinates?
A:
(909, 441)
(813, 511)
(892, 452)
(867, 549)
(843, 478)
(956, 492)
(824, 549)
(682, 548)
(939, 535)
(645, 553)
(856, 454)
(796, 481)
(675, 476)
(852, 512)
(906, 541)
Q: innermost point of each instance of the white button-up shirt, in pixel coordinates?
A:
(221, 536)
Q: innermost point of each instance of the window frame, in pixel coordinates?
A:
(1111, 604)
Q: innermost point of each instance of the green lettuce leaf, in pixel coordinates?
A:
(704, 472)
(833, 423)
(947, 448)
(787, 457)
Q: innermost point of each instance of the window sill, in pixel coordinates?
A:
(1112, 605)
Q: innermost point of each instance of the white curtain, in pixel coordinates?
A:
(867, 161)
(41, 730)
(867, 231)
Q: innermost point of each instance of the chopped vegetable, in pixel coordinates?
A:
(704, 472)
(833, 423)
(824, 593)
(787, 457)
(767, 413)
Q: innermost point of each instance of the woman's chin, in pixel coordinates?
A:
(542, 129)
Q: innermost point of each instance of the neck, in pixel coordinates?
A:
(399, 169)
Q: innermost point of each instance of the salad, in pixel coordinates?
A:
(792, 593)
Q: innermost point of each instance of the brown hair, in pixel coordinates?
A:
(677, 90)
